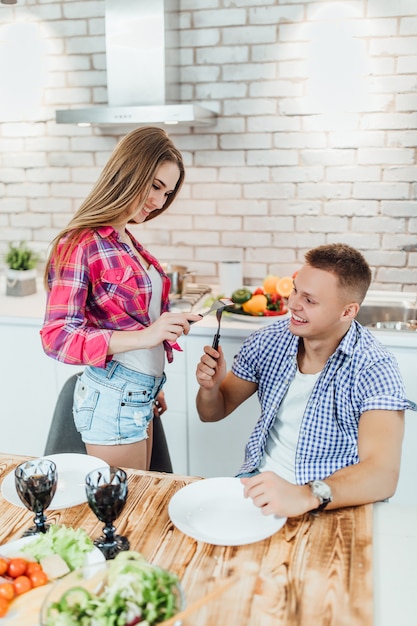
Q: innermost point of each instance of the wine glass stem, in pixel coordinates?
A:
(108, 531)
(39, 520)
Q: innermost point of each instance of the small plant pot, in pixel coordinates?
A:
(20, 282)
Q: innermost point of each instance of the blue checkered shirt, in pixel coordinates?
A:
(361, 375)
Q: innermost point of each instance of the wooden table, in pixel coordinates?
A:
(316, 571)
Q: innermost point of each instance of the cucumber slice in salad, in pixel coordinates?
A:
(75, 598)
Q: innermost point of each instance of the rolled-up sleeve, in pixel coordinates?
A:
(67, 334)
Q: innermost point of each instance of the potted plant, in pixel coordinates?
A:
(21, 272)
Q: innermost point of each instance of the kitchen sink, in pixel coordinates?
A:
(389, 315)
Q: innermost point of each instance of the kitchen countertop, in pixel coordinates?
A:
(29, 310)
(32, 306)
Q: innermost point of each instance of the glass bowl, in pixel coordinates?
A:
(93, 580)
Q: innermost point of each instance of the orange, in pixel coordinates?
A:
(255, 305)
(284, 286)
(270, 284)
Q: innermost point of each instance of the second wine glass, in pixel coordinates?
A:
(106, 489)
(36, 482)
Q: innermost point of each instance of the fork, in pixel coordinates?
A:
(217, 305)
(224, 303)
(216, 339)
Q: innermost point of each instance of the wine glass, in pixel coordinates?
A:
(36, 482)
(106, 489)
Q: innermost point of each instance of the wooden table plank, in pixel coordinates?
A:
(316, 571)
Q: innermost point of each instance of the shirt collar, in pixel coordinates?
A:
(105, 231)
(347, 345)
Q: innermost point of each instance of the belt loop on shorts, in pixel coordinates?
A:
(112, 366)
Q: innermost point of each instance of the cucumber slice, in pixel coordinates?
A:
(75, 597)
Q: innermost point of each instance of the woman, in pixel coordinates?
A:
(108, 304)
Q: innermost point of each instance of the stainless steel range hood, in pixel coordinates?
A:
(142, 54)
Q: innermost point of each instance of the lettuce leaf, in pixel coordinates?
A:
(71, 544)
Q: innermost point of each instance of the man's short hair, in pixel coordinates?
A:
(347, 264)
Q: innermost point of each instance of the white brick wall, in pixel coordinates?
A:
(279, 173)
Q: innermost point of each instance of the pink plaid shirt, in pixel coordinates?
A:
(102, 288)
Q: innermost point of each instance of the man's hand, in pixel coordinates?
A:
(211, 369)
(274, 495)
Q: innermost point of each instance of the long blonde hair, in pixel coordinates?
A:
(128, 174)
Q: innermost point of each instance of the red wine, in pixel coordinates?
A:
(36, 492)
(107, 501)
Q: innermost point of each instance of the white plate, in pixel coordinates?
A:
(25, 609)
(255, 319)
(72, 470)
(214, 510)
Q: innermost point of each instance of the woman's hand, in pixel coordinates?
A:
(160, 405)
(168, 327)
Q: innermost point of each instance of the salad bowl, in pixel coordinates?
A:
(128, 587)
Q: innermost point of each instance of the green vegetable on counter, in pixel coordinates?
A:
(241, 295)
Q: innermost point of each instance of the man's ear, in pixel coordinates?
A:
(350, 311)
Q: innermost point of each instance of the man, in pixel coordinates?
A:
(332, 399)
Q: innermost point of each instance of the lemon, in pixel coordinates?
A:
(256, 305)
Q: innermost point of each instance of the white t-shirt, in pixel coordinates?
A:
(149, 361)
(281, 445)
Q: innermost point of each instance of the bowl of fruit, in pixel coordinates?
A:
(267, 301)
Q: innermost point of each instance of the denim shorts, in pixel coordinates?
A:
(114, 405)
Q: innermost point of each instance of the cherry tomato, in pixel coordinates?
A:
(7, 591)
(4, 606)
(3, 566)
(21, 585)
(17, 567)
(32, 567)
(38, 579)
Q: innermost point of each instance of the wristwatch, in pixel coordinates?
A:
(322, 491)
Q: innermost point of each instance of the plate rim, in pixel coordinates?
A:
(11, 495)
(190, 530)
(253, 319)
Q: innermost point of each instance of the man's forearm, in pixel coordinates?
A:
(361, 484)
(210, 405)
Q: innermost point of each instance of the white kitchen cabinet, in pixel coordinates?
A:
(406, 356)
(30, 383)
(216, 449)
(174, 419)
